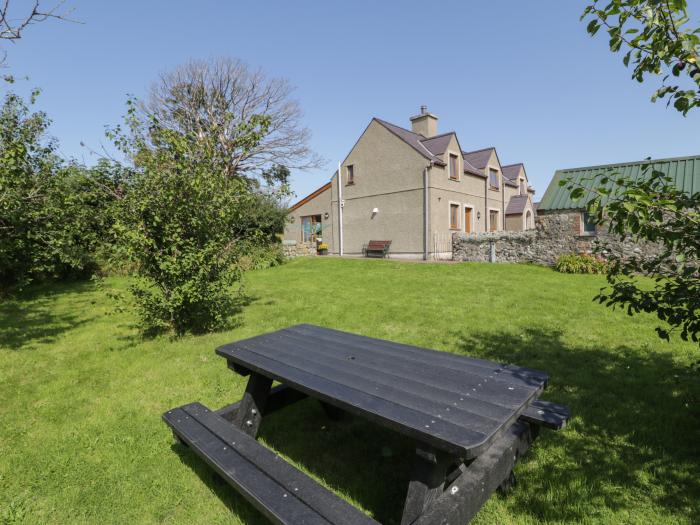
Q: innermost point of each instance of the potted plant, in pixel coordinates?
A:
(322, 249)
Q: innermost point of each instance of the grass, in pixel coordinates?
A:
(81, 394)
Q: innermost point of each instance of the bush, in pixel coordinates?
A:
(53, 215)
(261, 257)
(580, 263)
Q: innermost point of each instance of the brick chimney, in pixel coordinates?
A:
(425, 123)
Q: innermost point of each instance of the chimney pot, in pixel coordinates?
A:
(423, 110)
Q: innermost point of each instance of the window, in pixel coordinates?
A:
(493, 179)
(587, 224)
(454, 216)
(454, 167)
(523, 187)
(350, 172)
(311, 228)
(493, 220)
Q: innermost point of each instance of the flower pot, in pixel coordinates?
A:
(323, 252)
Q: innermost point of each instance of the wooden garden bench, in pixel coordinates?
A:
(471, 420)
(377, 249)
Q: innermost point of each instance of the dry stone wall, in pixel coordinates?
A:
(555, 234)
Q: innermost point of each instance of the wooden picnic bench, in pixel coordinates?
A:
(471, 419)
(377, 249)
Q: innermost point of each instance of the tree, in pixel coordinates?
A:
(657, 42)
(217, 101)
(53, 215)
(13, 22)
(185, 220)
(651, 209)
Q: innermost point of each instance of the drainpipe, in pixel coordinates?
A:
(339, 179)
(426, 240)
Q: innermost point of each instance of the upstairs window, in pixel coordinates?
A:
(587, 224)
(350, 174)
(454, 167)
(454, 216)
(494, 183)
(523, 187)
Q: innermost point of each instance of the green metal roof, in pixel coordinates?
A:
(685, 171)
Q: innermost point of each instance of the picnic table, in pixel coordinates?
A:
(471, 420)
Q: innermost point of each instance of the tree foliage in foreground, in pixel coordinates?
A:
(186, 222)
(657, 41)
(650, 209)
(53, 215)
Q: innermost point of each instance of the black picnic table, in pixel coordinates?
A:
(471, 419)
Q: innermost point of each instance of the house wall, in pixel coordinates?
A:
(389, 177)
(319, 205)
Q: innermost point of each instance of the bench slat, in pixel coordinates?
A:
(547, 414)
(281, 492)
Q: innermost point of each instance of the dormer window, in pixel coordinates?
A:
(454, 167)
(350, 174)
(494, 182)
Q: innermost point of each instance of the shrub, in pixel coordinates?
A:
(53, 215)
(261, 257)
(580, 263)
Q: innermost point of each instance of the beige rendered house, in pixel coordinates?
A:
(414, 188)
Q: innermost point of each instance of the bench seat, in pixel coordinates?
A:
(546, 414)
(377, 249)
(284, 494)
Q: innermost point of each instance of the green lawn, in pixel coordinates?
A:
(81, 394)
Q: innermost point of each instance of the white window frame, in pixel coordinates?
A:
(473, 225)
(585, 233)
(488, 220)
(449, 216)
(449, 167)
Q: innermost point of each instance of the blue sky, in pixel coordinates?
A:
(521, 76)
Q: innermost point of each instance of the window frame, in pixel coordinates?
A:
(450, 174)
(498, 178)
(454, 205)
(583, 222)
(313, 233)
(350, 175)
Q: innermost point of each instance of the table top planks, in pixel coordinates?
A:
(455, 403)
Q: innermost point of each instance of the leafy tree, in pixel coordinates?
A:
(650, 208)
(53, 215)
(657, 41)
(185, 221)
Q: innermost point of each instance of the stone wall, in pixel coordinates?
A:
(555, 234)
(298, 249)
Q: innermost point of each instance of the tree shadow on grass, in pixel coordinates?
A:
(634, 434)
(32, 318)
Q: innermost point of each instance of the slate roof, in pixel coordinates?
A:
(685, 172)
(516, 205)
(438, 144)
(478, 158)
(412, 139)
(430, 148)
(512, 170)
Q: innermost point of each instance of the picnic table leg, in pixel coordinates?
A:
(250, 411)
(427, 481)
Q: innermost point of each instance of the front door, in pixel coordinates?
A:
(468, 220)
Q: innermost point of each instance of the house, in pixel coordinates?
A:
(564, 219)
(415, 188)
